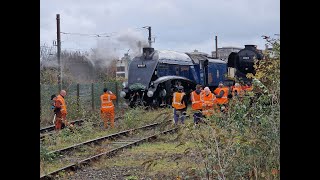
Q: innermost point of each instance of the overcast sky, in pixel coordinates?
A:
(181, 25)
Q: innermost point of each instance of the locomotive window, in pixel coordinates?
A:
(162, 66)
(177, 71)
(184, 68)
(120, 68)
(218, 74)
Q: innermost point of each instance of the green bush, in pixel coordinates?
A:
(244, 143)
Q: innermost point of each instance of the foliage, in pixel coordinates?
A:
(92, 68)
(244, 142)
(136, 117)
(45, 155)
(132, 178)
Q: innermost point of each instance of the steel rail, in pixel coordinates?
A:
(77, 165)
(51, 128)
(110, 136)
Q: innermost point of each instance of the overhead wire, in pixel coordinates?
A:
(94, 35)
(98, 34)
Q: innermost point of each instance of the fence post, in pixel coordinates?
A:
(40, 102)
(78, 97)
(117, 100)
(92, 96)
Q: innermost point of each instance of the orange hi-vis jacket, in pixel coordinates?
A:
(249, 88)
(216, 91)
(207, 100)
(60, 103)
(196, 100)
(239, 91)
(106, 102)
(208, 103)
(224, 98)
(176, 102)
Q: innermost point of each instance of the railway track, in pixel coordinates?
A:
(51, 128)
(107, 146)
(47, 131)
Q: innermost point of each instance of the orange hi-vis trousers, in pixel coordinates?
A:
(108, 116)
(59, 121)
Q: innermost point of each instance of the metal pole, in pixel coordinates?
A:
(78, 97)
(149, 38)
(116, 88)
(92, 96)
(59, 52)
(40, 102)
(216, 47)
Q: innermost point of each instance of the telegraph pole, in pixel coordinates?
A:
(59, 52)
(216, 47)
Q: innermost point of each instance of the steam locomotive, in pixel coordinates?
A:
(155, 74)
(243, 61)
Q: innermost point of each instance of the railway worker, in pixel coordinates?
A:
(179, 104)
(107, 108)
(61, 111)
(237, 91)
(207, 98)
(53, 105)
(196, 103)
(249, 87)
(177, 85)
(53, 99)
(221, 93)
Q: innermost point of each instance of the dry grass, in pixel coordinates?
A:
(158, 158)
(132, 118)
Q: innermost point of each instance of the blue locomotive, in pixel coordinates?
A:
(154, 75)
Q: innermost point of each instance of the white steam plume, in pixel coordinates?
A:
(135, 40)
(108, 49)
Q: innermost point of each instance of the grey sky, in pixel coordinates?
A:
(181, 25)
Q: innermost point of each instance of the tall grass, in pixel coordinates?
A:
(244, 143)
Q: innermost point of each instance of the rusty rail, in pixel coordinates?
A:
(77, 165)
(51, 128)
(110, 136)
(78, 122)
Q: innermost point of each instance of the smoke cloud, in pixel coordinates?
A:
(106, 49)
(116, 45)
(135, 40)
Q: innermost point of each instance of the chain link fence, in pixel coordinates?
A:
(80, 99)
